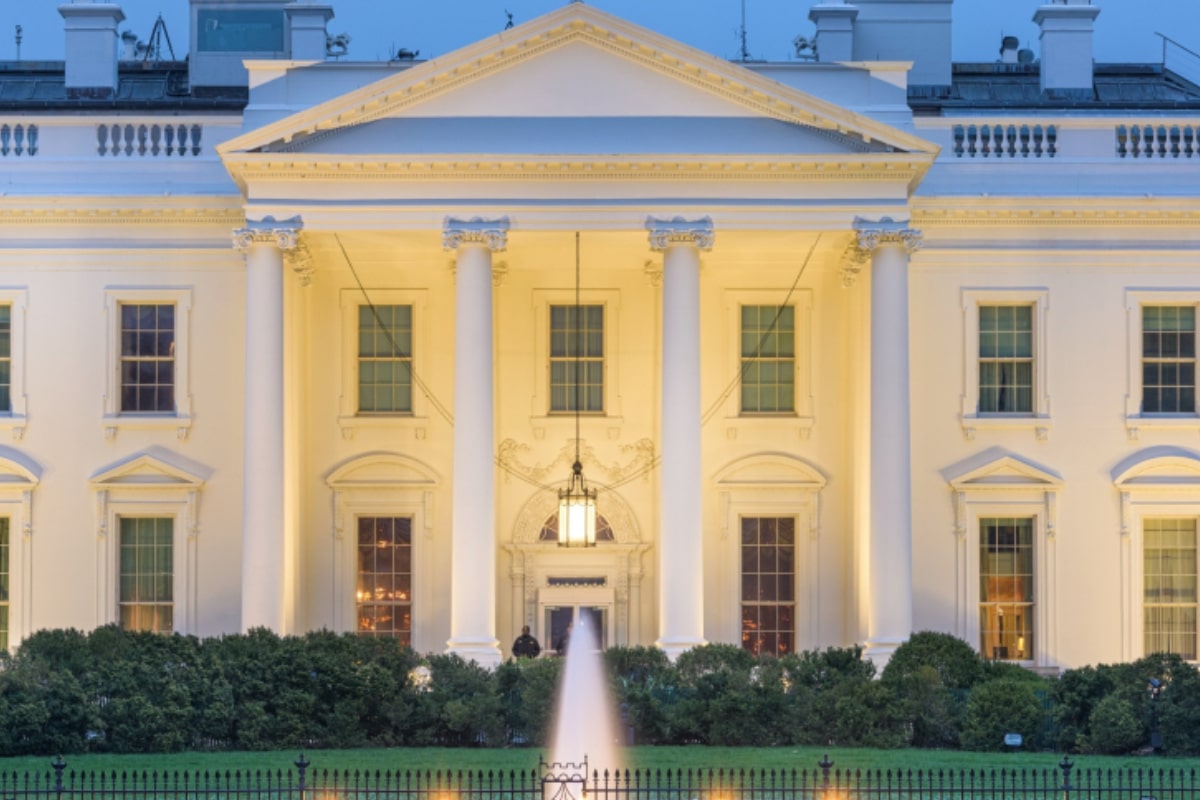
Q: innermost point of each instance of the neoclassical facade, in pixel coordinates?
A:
(849, 347)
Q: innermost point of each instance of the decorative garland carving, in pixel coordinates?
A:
(641, 460)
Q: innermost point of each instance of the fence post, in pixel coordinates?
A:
(301, 766)
(825, 765)
(59, 765)
(1065, 765)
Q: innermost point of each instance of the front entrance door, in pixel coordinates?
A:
(561, 619)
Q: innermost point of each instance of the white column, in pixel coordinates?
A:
(473, 542)
(680, 531)
(264, 555)
(889, 616)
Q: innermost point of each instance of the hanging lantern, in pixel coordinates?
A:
(577, 512)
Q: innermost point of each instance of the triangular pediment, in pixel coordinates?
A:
(18, 470)
(151, 468)
(575, 81)
(1164, 467)
(774, 470)
(381, 471)
(997, 468)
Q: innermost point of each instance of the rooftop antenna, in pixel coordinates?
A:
(157, 34)
(508, 25)
(20, 30)
(745, 52)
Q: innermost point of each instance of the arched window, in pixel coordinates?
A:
(549, 532)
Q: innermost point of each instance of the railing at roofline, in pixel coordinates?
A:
(1179, 59)
(821, 782)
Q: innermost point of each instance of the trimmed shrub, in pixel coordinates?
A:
(1115, 727)
(997, 708)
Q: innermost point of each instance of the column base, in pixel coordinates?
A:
(676, 647)
(484, 652)
(879, 651)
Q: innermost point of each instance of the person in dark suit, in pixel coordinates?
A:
(525, 645)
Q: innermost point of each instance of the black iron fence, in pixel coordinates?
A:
(577, 782)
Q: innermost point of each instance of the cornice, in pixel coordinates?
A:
(883, 168)
(25, 215)
(1052, 217)
(576, 22)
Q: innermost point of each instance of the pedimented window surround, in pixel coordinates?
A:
(999, 483)
(153, 483)
(1154, 482)
(19, 477)
(773, 485)
(383, 484)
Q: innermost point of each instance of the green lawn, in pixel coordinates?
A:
(638, 757)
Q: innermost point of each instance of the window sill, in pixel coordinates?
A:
(350, 425)
(769, 422)
(182, 423)
(556, 422)
(14, 423)
(1039, 425)
(1135, 424)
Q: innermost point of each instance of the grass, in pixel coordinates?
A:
(654, 758)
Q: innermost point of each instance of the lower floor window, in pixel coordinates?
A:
(1169, 572)
(384, 596)
(769, 584)
(147, 582)
(1006, 601)
(4, 582)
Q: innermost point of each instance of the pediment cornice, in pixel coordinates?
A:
(576, 22)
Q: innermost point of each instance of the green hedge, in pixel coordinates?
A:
(121, 692)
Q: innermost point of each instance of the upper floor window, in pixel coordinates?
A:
(1005, 359)
(147, 358)
(577, 358)
(385, 576)
(146, 580)
(5, 359)
(1169, 359)
(1169, 586)
(385, 356)
(1006, 580)
(769, 585)
(768, 359)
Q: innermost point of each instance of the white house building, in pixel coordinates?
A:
(850, 346)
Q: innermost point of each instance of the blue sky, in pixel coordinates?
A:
(1124, 31)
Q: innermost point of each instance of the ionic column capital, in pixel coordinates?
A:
(666, 232)
(284, 234)
(870, 234)
(492, 233)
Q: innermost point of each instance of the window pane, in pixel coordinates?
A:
(385, 359)
(1006, 587)
(768, 584)
(577, 358)
(384, 596)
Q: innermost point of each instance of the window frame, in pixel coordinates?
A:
(145, 485)
(1135, 419)
(772, 485)
(15, 419)
(350, 420)
(114, 418)
(552, 360)
(1000, 484)
(743, 359)
(18, 481)
(796, 578)
(175, 561)
(1038, 419)
(802, 415)
(1141, 595)
(1158, 483)
(542, 300)
(359, 358)
(360, 515)
(384, 485)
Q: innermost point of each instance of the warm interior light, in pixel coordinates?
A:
(577, 512)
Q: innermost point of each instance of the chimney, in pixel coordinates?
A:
(1066, 36)
(835, 30)
(91, 32)
(906, 30)
(306, 24)
(1008, 49)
